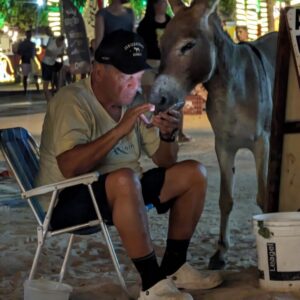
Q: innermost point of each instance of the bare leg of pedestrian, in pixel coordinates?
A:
(36, 81)
(25, 84)
(182, 137)
(46, 90)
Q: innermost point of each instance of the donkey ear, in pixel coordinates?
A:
(214, 7)
(209, 11)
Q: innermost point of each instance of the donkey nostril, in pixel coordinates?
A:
(163, 100)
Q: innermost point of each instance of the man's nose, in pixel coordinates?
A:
(134, 82)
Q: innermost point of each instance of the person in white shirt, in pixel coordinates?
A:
(50, 66)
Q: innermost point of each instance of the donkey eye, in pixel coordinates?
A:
(187, 47)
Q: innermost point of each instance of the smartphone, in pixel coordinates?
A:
(176, 106)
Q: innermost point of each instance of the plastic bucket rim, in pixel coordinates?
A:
(63, 287)
(278, 219)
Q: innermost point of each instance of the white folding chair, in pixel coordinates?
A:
(22, 156)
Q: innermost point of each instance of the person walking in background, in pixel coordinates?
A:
(50, 66)
(111, 18)
(152, 26)
(26, 50)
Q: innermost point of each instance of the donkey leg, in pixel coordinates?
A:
(226, 163)
(261, 155)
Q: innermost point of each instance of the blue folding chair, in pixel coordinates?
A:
(21, 153)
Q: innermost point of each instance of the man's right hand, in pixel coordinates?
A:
(130, 117)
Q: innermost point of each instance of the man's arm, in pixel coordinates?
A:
(168, 124)
(166, 154)
(85, 157)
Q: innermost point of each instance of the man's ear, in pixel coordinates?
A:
(98, 70)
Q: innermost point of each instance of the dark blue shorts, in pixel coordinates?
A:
(48, 71)
(75, 204)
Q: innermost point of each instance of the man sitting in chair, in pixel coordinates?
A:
(90, 127)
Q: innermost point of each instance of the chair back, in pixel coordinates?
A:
(22, 155)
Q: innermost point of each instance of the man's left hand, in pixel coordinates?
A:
(168, 122)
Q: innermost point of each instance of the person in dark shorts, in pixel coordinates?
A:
(26, 50)
(89, 126)
(50, 66)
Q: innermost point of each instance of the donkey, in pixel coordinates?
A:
(239, 80)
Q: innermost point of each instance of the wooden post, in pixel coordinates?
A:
(278, 118)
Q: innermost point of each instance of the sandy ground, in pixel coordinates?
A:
(91, 273)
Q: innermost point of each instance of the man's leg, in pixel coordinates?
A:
(124, 195)
(189, 192)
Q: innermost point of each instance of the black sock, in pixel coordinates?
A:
(175, 256)
(149, 270)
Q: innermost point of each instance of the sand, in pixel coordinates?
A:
(90, 271)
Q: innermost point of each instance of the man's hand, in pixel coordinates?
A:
(168, 122)
(130, 117)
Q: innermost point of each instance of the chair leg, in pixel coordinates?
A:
(113, 255)
(37, 252)
(108, 242)
(66, 258)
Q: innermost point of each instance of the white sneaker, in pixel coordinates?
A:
(187, 277)
(164, 290)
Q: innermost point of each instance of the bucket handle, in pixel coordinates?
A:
(264, 231)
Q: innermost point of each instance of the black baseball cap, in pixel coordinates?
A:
(125, 50)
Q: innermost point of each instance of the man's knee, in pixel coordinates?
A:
(123, 180)
(194, 171)
(123, 186)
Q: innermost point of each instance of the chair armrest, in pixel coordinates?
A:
(82, 179)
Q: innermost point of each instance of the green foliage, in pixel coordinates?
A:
(227, 9)
(79, 3)
(23, 15)
(139, 7)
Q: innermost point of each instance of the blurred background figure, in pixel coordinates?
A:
(92, 49)
(111, 18)
(50, 66)
(195, 104)
(26, 50)
(241, 33)
(152, 26)
(151, 29)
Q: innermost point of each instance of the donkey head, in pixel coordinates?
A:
(188, 55)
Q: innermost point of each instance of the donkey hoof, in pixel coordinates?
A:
(216, 263)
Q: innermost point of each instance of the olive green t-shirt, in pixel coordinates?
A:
(74, 116)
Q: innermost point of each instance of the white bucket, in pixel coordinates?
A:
(42, 289)
(278, 250)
